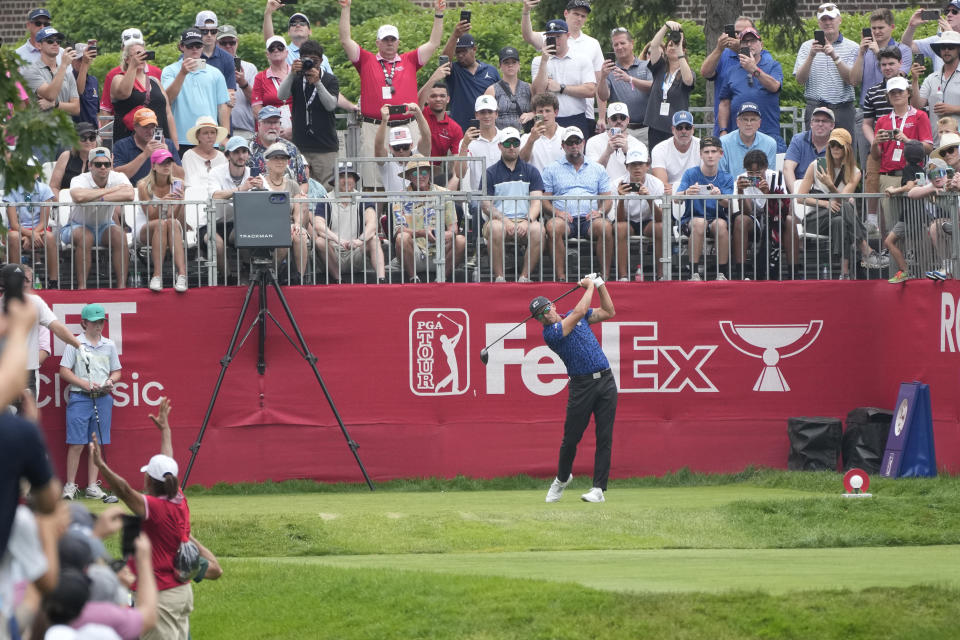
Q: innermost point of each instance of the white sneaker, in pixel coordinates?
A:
(695, 277)
(720, 276)
(180, 284)
(623, 279)
(96, 492)
(594, 495)
(524, 279)
(156, 283)
(556, 489)
(69, 491)
(499, 279)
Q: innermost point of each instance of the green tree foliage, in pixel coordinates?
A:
(33, 129)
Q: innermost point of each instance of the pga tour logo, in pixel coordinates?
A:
(439, 352)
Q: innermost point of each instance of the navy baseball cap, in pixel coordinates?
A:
(45, 33)
(510, 53)
(466, 41)
(539, 305)
(748, 107)
(557, 26)
(39, 13)
(682, 117)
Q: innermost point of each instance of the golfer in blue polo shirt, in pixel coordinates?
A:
(592, 389)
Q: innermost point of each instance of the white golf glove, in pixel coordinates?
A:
(597, 282)
(592, 276)
(84, 357)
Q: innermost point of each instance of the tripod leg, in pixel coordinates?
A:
(224, 363)
(312, 361)
(262, 329)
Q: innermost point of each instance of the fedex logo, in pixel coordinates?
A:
(640, 363)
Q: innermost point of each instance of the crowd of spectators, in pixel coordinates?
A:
(57, 577)
(210, 124)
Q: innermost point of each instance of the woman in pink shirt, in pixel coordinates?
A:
(266, 83)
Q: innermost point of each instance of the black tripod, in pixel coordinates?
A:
(260, 279)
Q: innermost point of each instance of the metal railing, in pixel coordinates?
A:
(751, 237)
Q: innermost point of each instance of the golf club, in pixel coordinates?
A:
(109, 499)
(484, 355)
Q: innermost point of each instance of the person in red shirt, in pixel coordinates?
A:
(445, 133)
(893, 131)
(386, 77)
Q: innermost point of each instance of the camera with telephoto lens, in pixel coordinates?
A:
(308, 64)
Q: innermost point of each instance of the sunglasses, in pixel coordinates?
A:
(510, 144)
(227, 43)
(193, 45)
(100, 165)
(421, 173)
(950, 150)
(835, 144)
(88, 137)
(571, 142)
(618, 117)
(940, 173)
(952, 11)
(207, 32)
(684, 127)
(56, 40)
(40, 23)
(275, 47)
(402, 147)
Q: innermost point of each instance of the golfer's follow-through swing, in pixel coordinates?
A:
(262, 223)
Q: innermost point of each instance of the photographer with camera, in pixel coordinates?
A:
(672, 81)
(312, 93)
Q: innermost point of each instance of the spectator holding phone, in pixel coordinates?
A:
(724, 56)
(242, 120)
(136, 88)
(610, 148)
(542, 146)
(132, 154)
(672, 81)
(87, 84)
(625, 77)
(823, 68)
(445, 133)
(571, 78)
(163, 228)
(939, 95)
(49, 79)
(480, 140)
(756, 79)
(469, 78)
(313, 93)
(166, 522)
(635, 216)
(948, 21)
(876, 105)
(700, 216)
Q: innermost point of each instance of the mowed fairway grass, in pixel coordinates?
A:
(761, 554)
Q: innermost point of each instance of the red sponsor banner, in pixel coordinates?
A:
(708, 374)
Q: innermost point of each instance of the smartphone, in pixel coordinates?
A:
(930, 14)
(92, 44)
(610, 56)
(745, 51)
(396, 109)
(464, 16)
(149, 55)
(158, 134)
(473, 123)
(755, 180)
(635, 186)
(615, 131)
(730, 30)
(551, 41)
(919, 58)
(202, 65)
(13, 287)
(821, 164)
(538, 118)
(237, 65)
(444, 60)
(128, 533)
(819, 37)
(177, 185)
(254, 172)
(288, 1)
(867, 32)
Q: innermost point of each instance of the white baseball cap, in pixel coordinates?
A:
(485, 102)
(131, 36)
(509, 133)
(615, 108)
(400, 135)
(829, 10)
(204, 17)
(897, 82)
(159, 466)
(570, 132)
(386, 31)
(637, 155)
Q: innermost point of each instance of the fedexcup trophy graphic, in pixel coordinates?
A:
(765, 341)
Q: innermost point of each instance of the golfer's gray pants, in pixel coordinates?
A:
(589, 396)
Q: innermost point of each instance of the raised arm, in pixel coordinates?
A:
(146, 582)
(350, 47)
(271, 6)
(162, 420)
(580, 310)
(425, 51)
(121, 488)
(442, 72)
(533, 38)
(606, 310)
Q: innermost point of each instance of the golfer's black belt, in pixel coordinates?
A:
(593, 376)
(93, 394)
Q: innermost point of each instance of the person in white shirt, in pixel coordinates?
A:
(611, 148)
(541, 147)
(480, 142)
(227, 179)
(672, 157)
(571, 77)
(635, 216)
(97, 224)
(581, 45)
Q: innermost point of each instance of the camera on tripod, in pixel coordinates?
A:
(262, 220)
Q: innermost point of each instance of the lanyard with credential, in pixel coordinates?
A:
(313, 96)
(388, 77)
